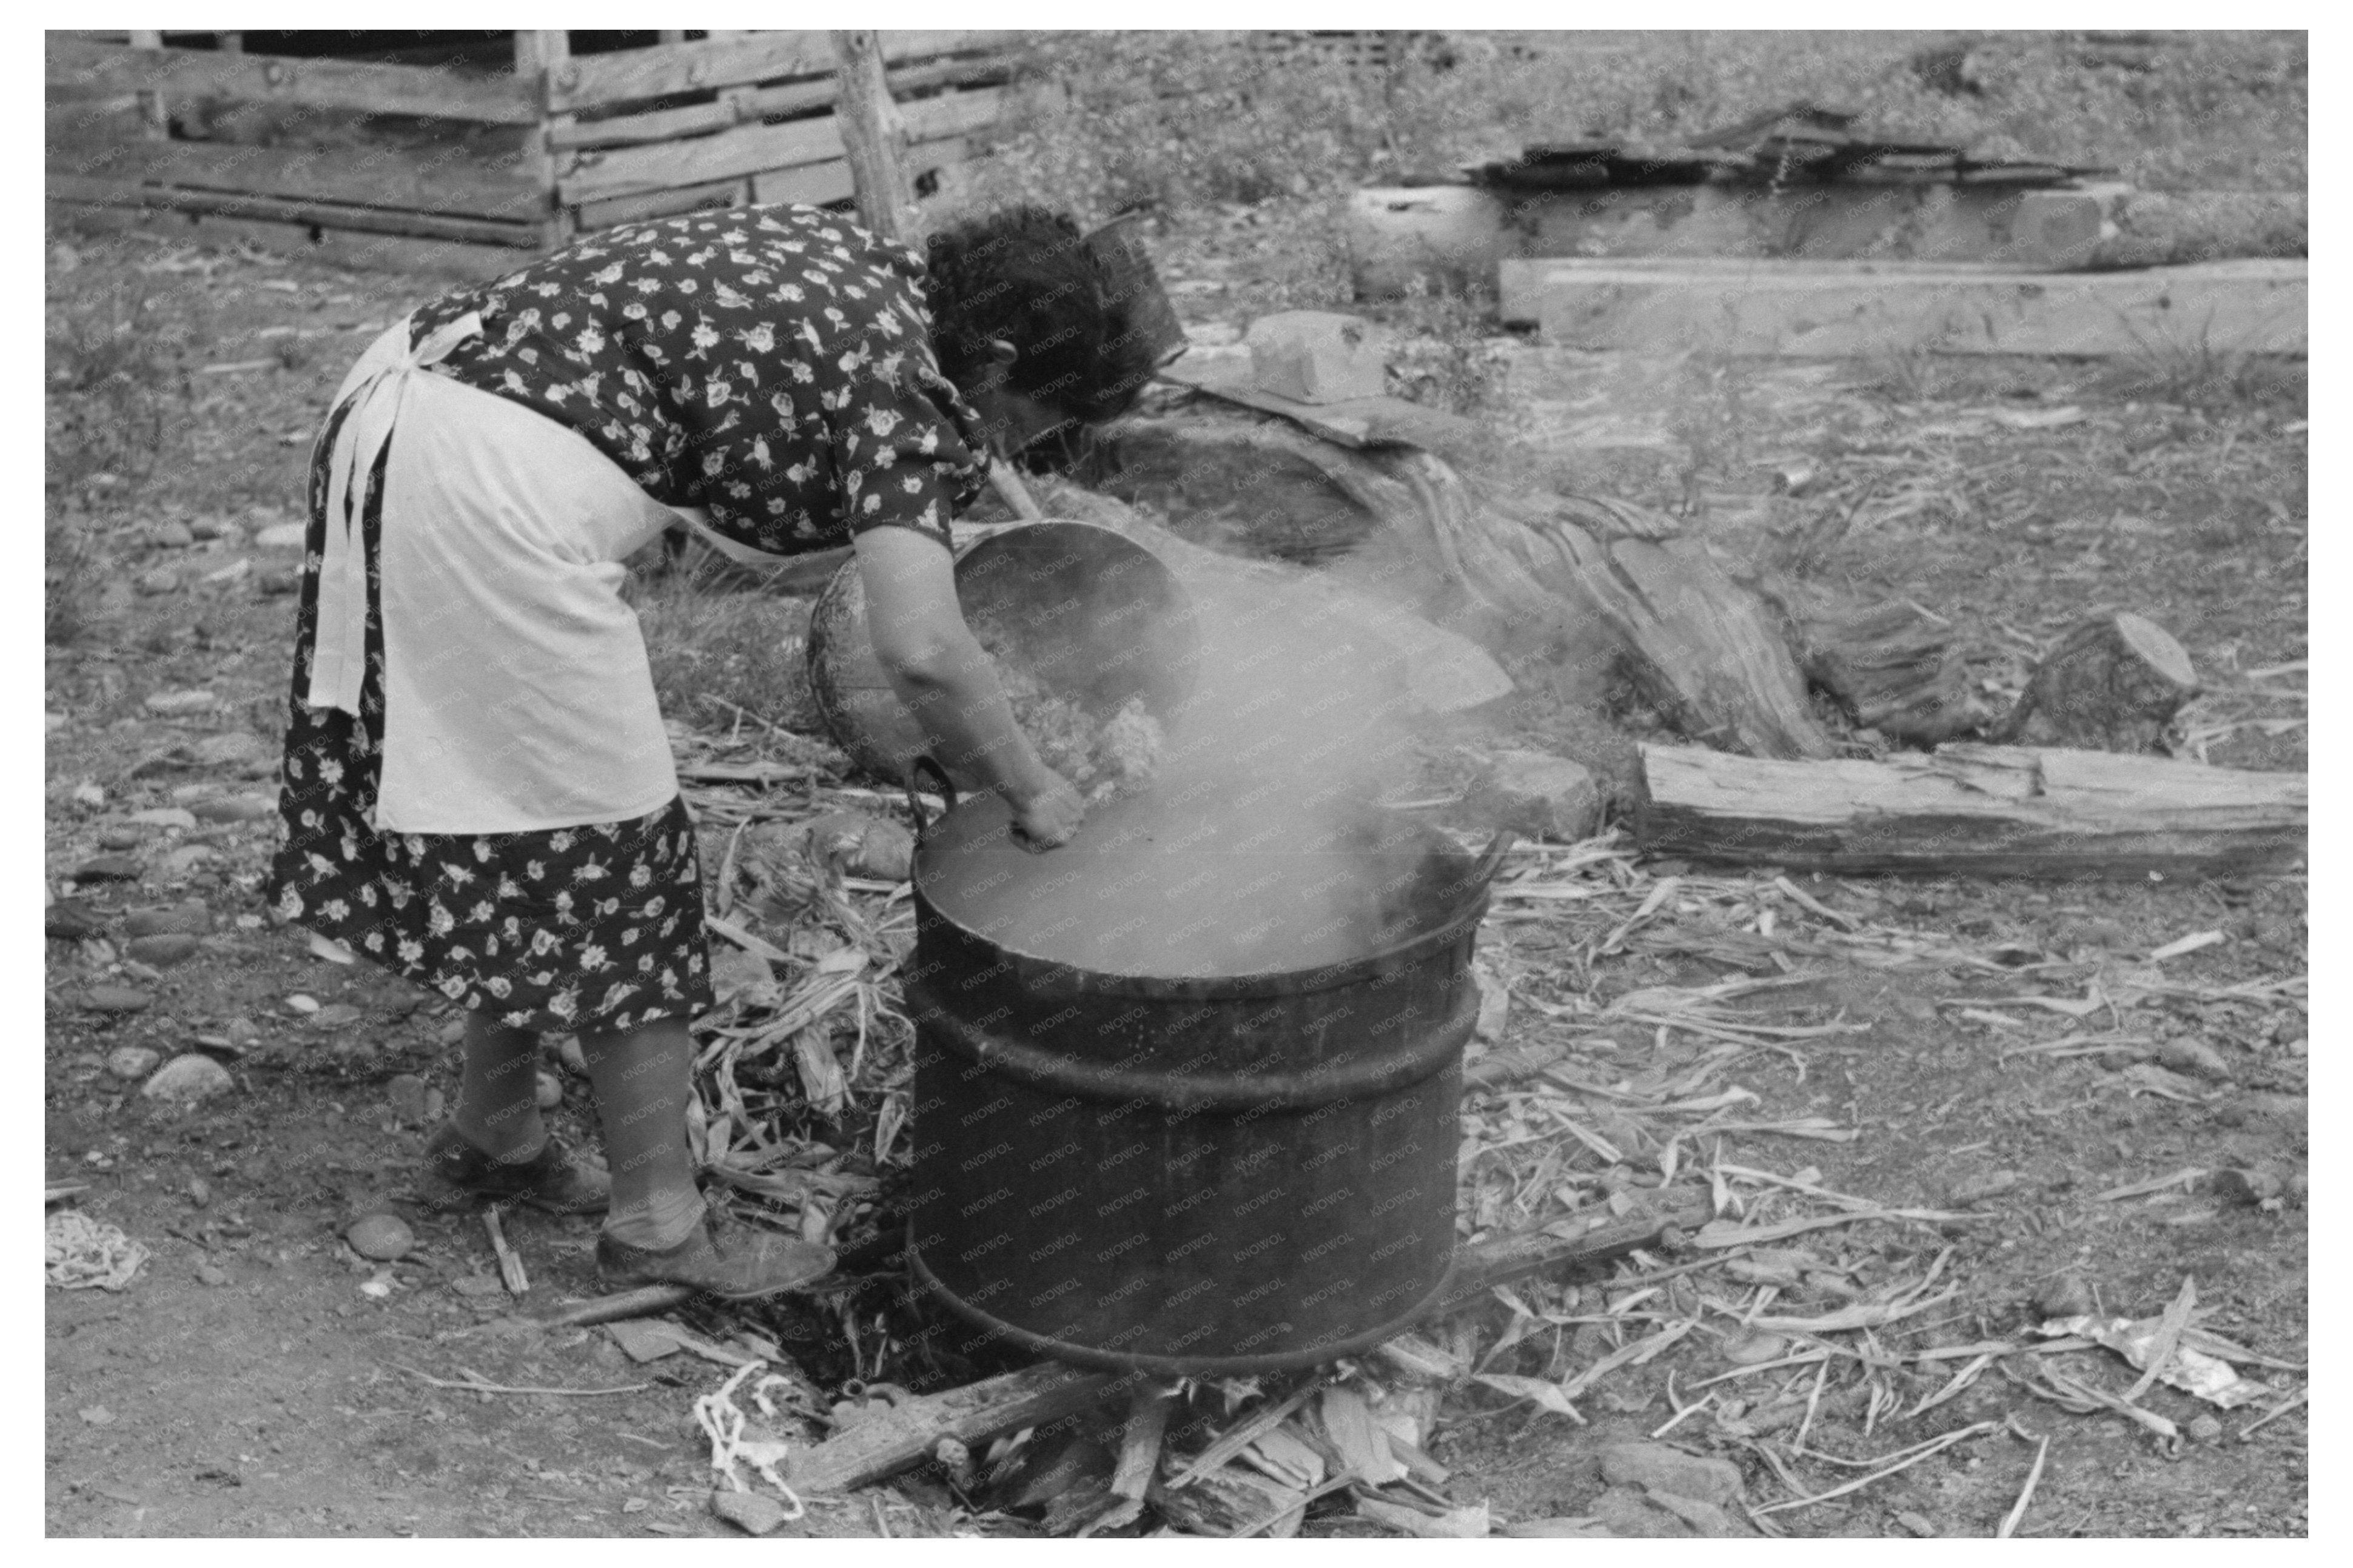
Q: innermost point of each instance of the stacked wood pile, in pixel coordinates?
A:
(521, 157)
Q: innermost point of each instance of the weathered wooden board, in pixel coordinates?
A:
(357, 177)
(1833, 310)
(593, 174)
(626, 76)
(758, 103)
(79, 192)
(78, 68)
(1354, 422)
(1984, 810)
(883, 1445)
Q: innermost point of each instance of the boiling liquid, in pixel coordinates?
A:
(1191, 884)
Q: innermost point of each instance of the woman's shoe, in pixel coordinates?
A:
(457, 1175)
(754, 1263)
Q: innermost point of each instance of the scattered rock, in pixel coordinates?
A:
(227, 748)
(281, 536)
(87, 794)
(163, 952)
(298, 1003)
(1979, 1188)
(2194, 1057)
(189, 1080)
(107, 869)
(98, 1416)
(64, 257)
(189, 919)
(1708, 1519)
(132, 1061)
(404, 1093)
(1627, 1513)
(200, 1192)
(1318, 356)
(336, 1016)
(215, 527)
(1918, 1525)
(2066, 1297)
(380, 1237)
(67, 920)
(1661, 1468)
(234, 808)
(1469, 1523)
(2248, 1189)
(171, 702)
(165, 816)
(209, 1274)
(434, 1106)
(547, 1092)
(171, 536)
(160, 581)
(2111, 935)
(2206, 1429)
(272, 581)
(116, 999)
(119, 835)
(1540, 794)
(754, 1513)
(1494, 1005)
(574, 1060)
(2288, 1109)
(474, 1287)
(1749, 1350)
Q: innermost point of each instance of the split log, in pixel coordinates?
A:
(904, 1436)
(1890, 666)
(1971, 810)
(2114, 683)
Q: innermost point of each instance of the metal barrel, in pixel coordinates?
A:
(1188, 1177)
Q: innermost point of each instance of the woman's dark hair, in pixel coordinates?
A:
(1028, 275)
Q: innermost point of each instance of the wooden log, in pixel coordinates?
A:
(2114, 682)
(1891, 666)
(304, 213)
(626, 76)
(79, 68)
(1972, 810)
(873, 138)
(904, 1436)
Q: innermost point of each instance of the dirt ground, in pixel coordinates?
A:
(258, 1378)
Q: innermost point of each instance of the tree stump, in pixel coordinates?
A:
(2113, 684)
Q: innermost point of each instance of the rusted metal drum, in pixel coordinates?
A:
(1191, 1176)
(1095, 615)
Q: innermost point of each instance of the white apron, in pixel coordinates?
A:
(517, 696)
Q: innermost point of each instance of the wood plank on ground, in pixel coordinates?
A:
(1974, 810)
(76, 192)
(363, 176)
(1832, 309)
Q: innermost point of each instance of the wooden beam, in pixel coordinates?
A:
(542, 55)
(78, 68)
(1977, 811)
(589, 177)
(873, 137)
(76, 191)
(628, 76)
(343, 176)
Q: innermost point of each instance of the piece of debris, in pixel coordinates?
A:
(404, 1094)
(177, 703)
(2191, 1371)
(161, 951)
(130, 1062)
(1542, 796)
(1661, 1468)
(2248, 1189)
(511, 1271)
(107, 869)
(2194, 1055)
(1453, 1524)
(80, 1253)
(754, 1513)
(189, 1080)
(1318, 356)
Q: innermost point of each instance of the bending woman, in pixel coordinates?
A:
(477, 788)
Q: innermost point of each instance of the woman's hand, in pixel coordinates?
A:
(1049, 817)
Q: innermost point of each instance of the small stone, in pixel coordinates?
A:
(380, 1237)
(89, 794)
(119, 835)
(163, 952)
(476, 1286)
(162, 579)
(67, 920)
(298, 1003)
(2205, 1429)
(107, 869)
(165, 816)
(132, 1061)
(1919, 1524)
(1990, 1184)
(754, 1513)
(433, 1105)
(1749, 1350)
(2248, 1189)
(404, 1093)
(575, 1060)
(213, 528)
(1661, 1468)
(171, 536)
(272, 581)
(1318, 356)
(1625, 1512)
(98, 1416)
(189, 919)
(282, 536)
(200, 1192)
(2193, 1055)
(234, 808)
(189, 1080)
(1494, 1005)
(116, 999)
(2066, 1297)
(548, 1093)
(1543, 795)
(173, 703)
(336, 1016)
(208, 1273)
(227, 748)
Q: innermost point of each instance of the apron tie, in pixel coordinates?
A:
(374, 394)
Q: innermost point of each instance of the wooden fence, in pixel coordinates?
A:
(520, 157)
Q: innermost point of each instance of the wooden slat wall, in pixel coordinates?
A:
(77, 68)
(628, 76)
(591, 176)
(664, 124)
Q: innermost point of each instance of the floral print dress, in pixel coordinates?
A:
(772, 366)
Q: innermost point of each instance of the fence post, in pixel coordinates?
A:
(539, 54)
(873, 139)
(155, 118)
